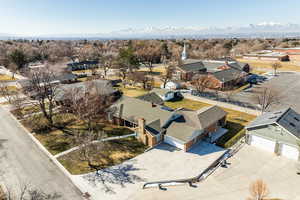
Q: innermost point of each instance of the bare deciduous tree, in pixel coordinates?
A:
(276, 66)
(168, 74)
(26, 192)
(90, 103)
(258, 190)
(42, 86)
(140, 77)
(91, 149)
(201, 82)
(266, 97)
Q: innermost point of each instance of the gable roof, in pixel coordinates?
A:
(131, 109)
(190, 65)
(210, 65)
(161, 91)
(227, 75)
(152, 97)
(103, 87)
(204, 117)
(181, 124)
(287, 118)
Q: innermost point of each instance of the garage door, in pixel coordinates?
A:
(263, 143)
(290, 152)
(173, 142)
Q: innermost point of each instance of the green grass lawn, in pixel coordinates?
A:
(117, 151)
(236, 120)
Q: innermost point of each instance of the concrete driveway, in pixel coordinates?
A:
(232, 183)
(161, 163)
(23, 163)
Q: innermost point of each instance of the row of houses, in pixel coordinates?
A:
(221, 74)
(275, 54)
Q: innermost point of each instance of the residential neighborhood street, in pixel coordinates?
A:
(22, 162)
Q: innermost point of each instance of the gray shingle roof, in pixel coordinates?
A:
(152, 97)
(204, 117)
(287, 118)
(103, 87)
(132, 109)
(181, 124)
(227, 75)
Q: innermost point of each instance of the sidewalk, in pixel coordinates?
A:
(223, 104)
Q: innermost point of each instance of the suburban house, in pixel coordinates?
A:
(222, 72)
(103, 87)
(159, 96)
(88, 64)
(181, 128)
(277, 132)
(293, 53)
(266, 55)
(167, 95)
(171, 85)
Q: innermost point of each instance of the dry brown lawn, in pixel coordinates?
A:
(261, 64)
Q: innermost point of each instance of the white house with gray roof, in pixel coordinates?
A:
(277, 132)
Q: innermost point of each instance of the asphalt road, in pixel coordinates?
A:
(22, 163)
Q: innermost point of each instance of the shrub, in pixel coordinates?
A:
(235, 138)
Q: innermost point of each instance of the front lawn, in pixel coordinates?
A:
(117, 151)
(59, 140)
(186, 103)
(4, 77)
(132, 91)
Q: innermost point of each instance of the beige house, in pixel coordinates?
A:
(181, 128)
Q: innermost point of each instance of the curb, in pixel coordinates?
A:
(52, 158)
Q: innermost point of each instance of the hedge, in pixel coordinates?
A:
(235, 138)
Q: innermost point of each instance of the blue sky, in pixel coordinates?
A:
(36, 17)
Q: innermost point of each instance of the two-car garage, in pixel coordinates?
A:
(263, 143)
(282, 149)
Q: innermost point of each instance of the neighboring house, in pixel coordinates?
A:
(223, 73)
(293, 53)
(60, 79)
(171, 85)
(277, 132)
(180, 128)
(226, 78)
(103, 87)
(153, 98)
(167, 95)
(266, 55)
(88, 64)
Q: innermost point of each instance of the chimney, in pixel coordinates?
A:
(141, 127)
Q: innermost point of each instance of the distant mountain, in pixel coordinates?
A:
(265, 29)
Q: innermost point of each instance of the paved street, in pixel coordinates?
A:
(287, 84)
(23, 163)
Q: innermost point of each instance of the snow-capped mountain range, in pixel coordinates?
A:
(264, 29)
